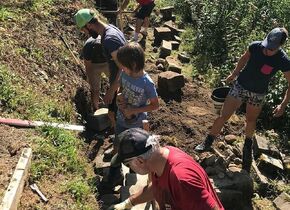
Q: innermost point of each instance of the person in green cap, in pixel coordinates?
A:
(112, 39)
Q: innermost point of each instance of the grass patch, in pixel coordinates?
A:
(24, 102)
(56, 155)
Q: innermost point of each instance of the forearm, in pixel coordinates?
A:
(147, 108)
(240, 65)
(286, 98)
(144, 195)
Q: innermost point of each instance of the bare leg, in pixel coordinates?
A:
(252, 113)
(231, 104)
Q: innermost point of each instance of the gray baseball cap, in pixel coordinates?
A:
(273, 39)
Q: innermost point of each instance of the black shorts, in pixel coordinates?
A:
(112, 107)
(145, 11)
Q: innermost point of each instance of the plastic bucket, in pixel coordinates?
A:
(218, 96)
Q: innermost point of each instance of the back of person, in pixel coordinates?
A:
(93, 51)
(184, 185)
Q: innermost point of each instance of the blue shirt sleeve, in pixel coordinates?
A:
(150, 89)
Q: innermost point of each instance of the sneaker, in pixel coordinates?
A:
(247, 156)
(206, 145)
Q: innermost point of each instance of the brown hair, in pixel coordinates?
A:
(132, 56)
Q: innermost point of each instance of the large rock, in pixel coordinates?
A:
(282, 202)
(165, 49)
(175, 31)
(99, 121)
(270, 165)
(162, 33)
(166, 13)
(170, 81)
(262, 145)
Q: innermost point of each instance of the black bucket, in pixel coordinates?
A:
(218, 96)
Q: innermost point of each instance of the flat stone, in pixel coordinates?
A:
(162, 33)
(99, 121)
(282, 202)
(262, 145)
(166, 12)
(165, 49)
(175, 45)
(174, 68)
(183, 58)
(269, 165)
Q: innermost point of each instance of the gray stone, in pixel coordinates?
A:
(99, 121)
(170, 81)
(174, 68)
(160, 67)
(183, 58)
(160, 61)
(175, 45)
(166, 12)
(269, 164)
(262, 145)
(162, 33)
(282, 202)
(165, 49)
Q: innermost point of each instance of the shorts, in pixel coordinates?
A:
(94, 76)
(246, 96)
(145, 11)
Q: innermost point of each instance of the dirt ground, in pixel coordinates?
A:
(12, 140)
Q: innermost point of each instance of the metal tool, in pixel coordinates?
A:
(36, 189)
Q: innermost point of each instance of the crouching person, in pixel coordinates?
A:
(178, 182)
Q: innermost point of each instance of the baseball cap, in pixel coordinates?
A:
(273, 39)
(83, 16)
(132, 143)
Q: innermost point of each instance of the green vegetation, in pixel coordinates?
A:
(56, 154)
(25, 103)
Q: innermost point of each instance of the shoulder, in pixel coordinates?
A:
(255, 45)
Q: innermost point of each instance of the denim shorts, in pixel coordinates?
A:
(246, 96)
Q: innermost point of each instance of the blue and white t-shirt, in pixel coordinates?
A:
(136, 92)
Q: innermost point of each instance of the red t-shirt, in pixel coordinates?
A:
(144, 2)
(184, 185)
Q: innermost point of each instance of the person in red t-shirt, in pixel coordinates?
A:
(143, 12)
(178, 182)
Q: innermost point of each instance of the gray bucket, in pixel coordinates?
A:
(218, 96)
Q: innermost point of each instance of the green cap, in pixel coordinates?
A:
(83, 16)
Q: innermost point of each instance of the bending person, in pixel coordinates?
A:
(178, 182)
(254, 70)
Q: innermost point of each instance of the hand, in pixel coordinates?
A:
(122, 206)
(230, 78)
(278, 111)
(108, 98)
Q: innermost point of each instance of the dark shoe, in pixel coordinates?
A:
(206, 145)
(247, 155)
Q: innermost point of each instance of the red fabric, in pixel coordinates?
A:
(144, 2)
(184, 185)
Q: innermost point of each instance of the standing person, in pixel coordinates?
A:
(178, 182)
(254, 70)
(137, 96)
(138, 91)
(95, 64)
(143, 11)
(112, 39)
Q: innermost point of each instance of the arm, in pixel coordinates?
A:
(94, 82)
(153, 105)
(241, 63)
(279, 110)
(116, 83)
(144, 195)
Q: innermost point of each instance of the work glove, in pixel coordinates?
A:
(122, 206)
